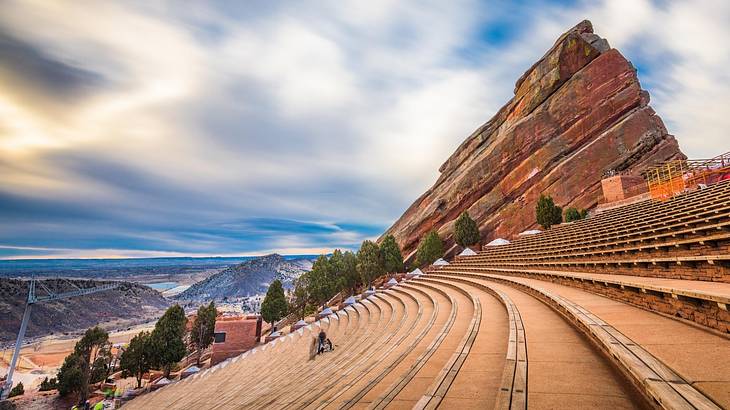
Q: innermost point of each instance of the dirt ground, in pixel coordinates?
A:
(44, 358)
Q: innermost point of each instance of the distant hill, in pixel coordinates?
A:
(249, 278)
(124, 306)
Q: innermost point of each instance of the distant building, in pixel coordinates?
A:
(235, 335)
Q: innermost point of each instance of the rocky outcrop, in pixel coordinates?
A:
(576, 113)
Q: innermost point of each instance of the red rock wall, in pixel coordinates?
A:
(578, 112)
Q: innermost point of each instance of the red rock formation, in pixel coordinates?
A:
(577, 113)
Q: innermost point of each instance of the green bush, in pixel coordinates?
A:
(48, 384)
(17, 390)
(574, 214)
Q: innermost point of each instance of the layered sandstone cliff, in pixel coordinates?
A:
(576, 113)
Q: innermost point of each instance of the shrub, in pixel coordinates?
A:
(574, 214)
(466, 231)
(17, 390)
(48, 384)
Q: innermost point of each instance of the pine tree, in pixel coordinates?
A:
(274, 306)
(350, 276)
(369, 262)
(166, 340)
(201, 334)
(392, 258)
(89, 363)
(322, 281)
(430, 249)
(547, 213)
(137, 359)
(466, 231)
(300, 296)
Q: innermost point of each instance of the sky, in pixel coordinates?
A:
(146, 128)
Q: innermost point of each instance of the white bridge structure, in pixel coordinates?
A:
(33, 298)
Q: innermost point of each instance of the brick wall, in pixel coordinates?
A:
(620, 187)
(241, 336)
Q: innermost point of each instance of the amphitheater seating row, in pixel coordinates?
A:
(459, 340)
(686, 237)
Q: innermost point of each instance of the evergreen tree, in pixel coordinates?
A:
(166, 340)
(350, 276)
(392, 258)
(137, 359)
(430, 249)
(547, 213)
(369, 262)
(300, 295)
(336, 264)
(89, 363)
(322, 281)
(466, 231)
(201, 334)
(274, 306)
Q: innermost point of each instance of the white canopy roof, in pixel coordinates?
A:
(467, 252)
(392, 281)
(192, 369)
(300, 323)
(440, 262)
(416, 272)
(326, 311)
(530, 232)
(350, 301)
(498, 241)
(163, 381)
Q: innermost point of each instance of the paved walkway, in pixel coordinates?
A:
(717, 289)
(699, 356)
(565, 371)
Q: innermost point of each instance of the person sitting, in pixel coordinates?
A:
(322, 339)
(330, 346)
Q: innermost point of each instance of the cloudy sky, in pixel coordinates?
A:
(144, 128)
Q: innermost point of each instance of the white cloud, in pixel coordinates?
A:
(339, 112)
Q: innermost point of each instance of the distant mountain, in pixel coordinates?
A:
(124, 306)
(249, 278)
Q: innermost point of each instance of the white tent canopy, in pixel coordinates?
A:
(350, 301)
(392, 281)
(498, 241)
(326, 311)
(300, 323)
(163, 381)
(416, 272)
(467, 252)
(440, 262)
